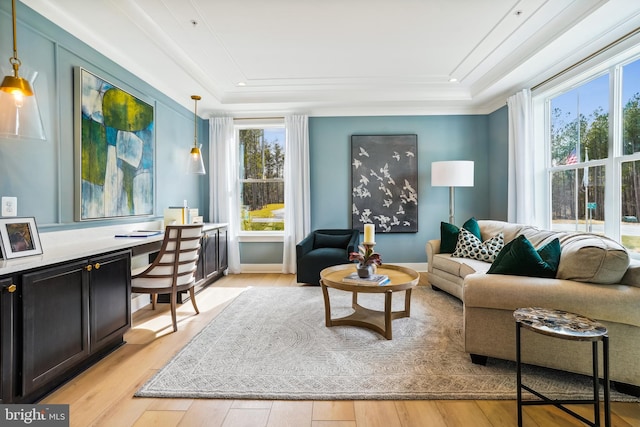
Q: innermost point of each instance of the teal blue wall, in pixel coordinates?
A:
(499, 160)
(40, 173)
(439, 138)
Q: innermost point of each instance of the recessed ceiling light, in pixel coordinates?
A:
(241, 84)
(453, 80)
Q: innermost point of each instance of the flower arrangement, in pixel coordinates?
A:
(366, 256)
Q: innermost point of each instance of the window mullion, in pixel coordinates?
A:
(612, 192)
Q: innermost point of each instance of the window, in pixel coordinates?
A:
(579, 135)
(593, 161)
(261, 180)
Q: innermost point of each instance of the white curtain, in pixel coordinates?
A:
(521, 188)
(223, 167)
(297, 217)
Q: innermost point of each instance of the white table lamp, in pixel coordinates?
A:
(454, 173)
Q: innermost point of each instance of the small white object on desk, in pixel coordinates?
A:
(369, 233)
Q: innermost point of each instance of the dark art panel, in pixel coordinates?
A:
(384, 182)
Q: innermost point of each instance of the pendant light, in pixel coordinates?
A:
(19, 113)
(196, 163)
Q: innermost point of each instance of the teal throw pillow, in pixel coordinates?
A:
(449, 234)
(473, 227)
(469, 246)
(448, 237)
(520, 258)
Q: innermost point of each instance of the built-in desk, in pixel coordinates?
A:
(65, 309)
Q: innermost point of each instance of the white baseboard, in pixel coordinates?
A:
(138, 301)
(261, 268)
(277, 268)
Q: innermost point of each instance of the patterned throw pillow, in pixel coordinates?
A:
(469, 246)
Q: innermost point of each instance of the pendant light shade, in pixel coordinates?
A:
(19, 112)
(196, 162)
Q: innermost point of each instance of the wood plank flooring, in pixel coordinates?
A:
(102, 395)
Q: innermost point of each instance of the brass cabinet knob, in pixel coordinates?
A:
(96, 265)
(89, 267)
(12, 288)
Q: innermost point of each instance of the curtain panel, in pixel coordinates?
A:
(223, 173)
(297, 215)
(521, 185)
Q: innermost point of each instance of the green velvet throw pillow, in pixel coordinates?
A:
(449, 234)
(520, 258)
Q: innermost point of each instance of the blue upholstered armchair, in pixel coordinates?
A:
(322, 249)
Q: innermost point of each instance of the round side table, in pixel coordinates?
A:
(568, 326)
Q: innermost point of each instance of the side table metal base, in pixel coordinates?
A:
(560, 403)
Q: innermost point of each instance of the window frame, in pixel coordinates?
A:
(257, 123)
(612, 64)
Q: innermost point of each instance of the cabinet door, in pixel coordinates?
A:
(109, 299)
(55, 321)
(7, 340)
(209, 253)
(222, 250)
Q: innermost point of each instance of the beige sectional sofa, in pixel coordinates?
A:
(595, 278)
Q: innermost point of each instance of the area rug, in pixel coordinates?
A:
(272, 343)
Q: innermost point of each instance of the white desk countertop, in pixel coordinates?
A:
(67, 245)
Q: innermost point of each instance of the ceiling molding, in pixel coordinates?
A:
(362, 57)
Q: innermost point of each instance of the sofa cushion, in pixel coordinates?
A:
(520, 258)
(490, 228)
(592, 258)
(632, 276)
(446, 263)
(471, 266)
(449, 234)
(331, 240)
(469, 246)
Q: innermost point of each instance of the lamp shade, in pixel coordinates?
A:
(454, 173)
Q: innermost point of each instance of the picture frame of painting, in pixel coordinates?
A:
(114, 150)
(384, 182)
(19, 237)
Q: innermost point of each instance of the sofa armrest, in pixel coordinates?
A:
(432, 248)
(304, 246)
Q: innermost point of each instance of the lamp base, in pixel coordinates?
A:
(452, 205)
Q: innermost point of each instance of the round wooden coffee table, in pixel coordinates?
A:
(401, 279)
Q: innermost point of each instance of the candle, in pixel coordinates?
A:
(369, 233)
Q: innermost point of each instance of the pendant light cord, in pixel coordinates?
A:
(14, 60)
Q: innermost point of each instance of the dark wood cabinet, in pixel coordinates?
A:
(8, 376)
(223, 262)
(54, 323)
(71, 312)
(209, 254)
(109, 299)
(212, 263)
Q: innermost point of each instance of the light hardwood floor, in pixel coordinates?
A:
(103, 395)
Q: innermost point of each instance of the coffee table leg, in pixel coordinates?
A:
(388, 334)
(407, 302)
(327, 304)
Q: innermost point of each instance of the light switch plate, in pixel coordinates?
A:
(9, 206)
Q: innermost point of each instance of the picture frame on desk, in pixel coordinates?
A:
(19, 237)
